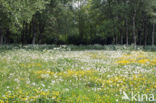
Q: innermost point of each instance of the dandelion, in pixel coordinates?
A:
(123, 62)
(24, 99)
(1, 101)
(143, 61)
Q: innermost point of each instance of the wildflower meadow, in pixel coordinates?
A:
(57, 75)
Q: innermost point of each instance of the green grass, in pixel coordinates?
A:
(42, 74)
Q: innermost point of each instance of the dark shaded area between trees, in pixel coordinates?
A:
(78, 22)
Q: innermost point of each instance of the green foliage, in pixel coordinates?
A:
(77, 21)
(19, 11)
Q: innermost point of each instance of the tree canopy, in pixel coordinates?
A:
(78, 21)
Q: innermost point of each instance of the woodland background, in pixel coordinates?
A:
(78, 22)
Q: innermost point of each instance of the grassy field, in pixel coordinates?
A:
(81, 76)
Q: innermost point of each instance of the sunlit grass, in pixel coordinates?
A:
(59, 76)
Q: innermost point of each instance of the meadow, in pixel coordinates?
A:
(62, 75)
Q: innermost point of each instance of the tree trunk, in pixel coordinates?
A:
(23, 33)
(34, 39)
(126, 33)
(26, 33)
(34, 31)
(1, 38)
(121, 38)
(113, 40)
(116, 40)
(153, 35)
(145, 37)
(134, 30)
(139, 37)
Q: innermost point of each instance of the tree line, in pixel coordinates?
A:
(78, 22)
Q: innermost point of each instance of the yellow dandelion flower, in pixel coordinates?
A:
(147, 89)
(24, 99)
(123, 62)
(143, 61)
(56, 93)
(1, 101)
